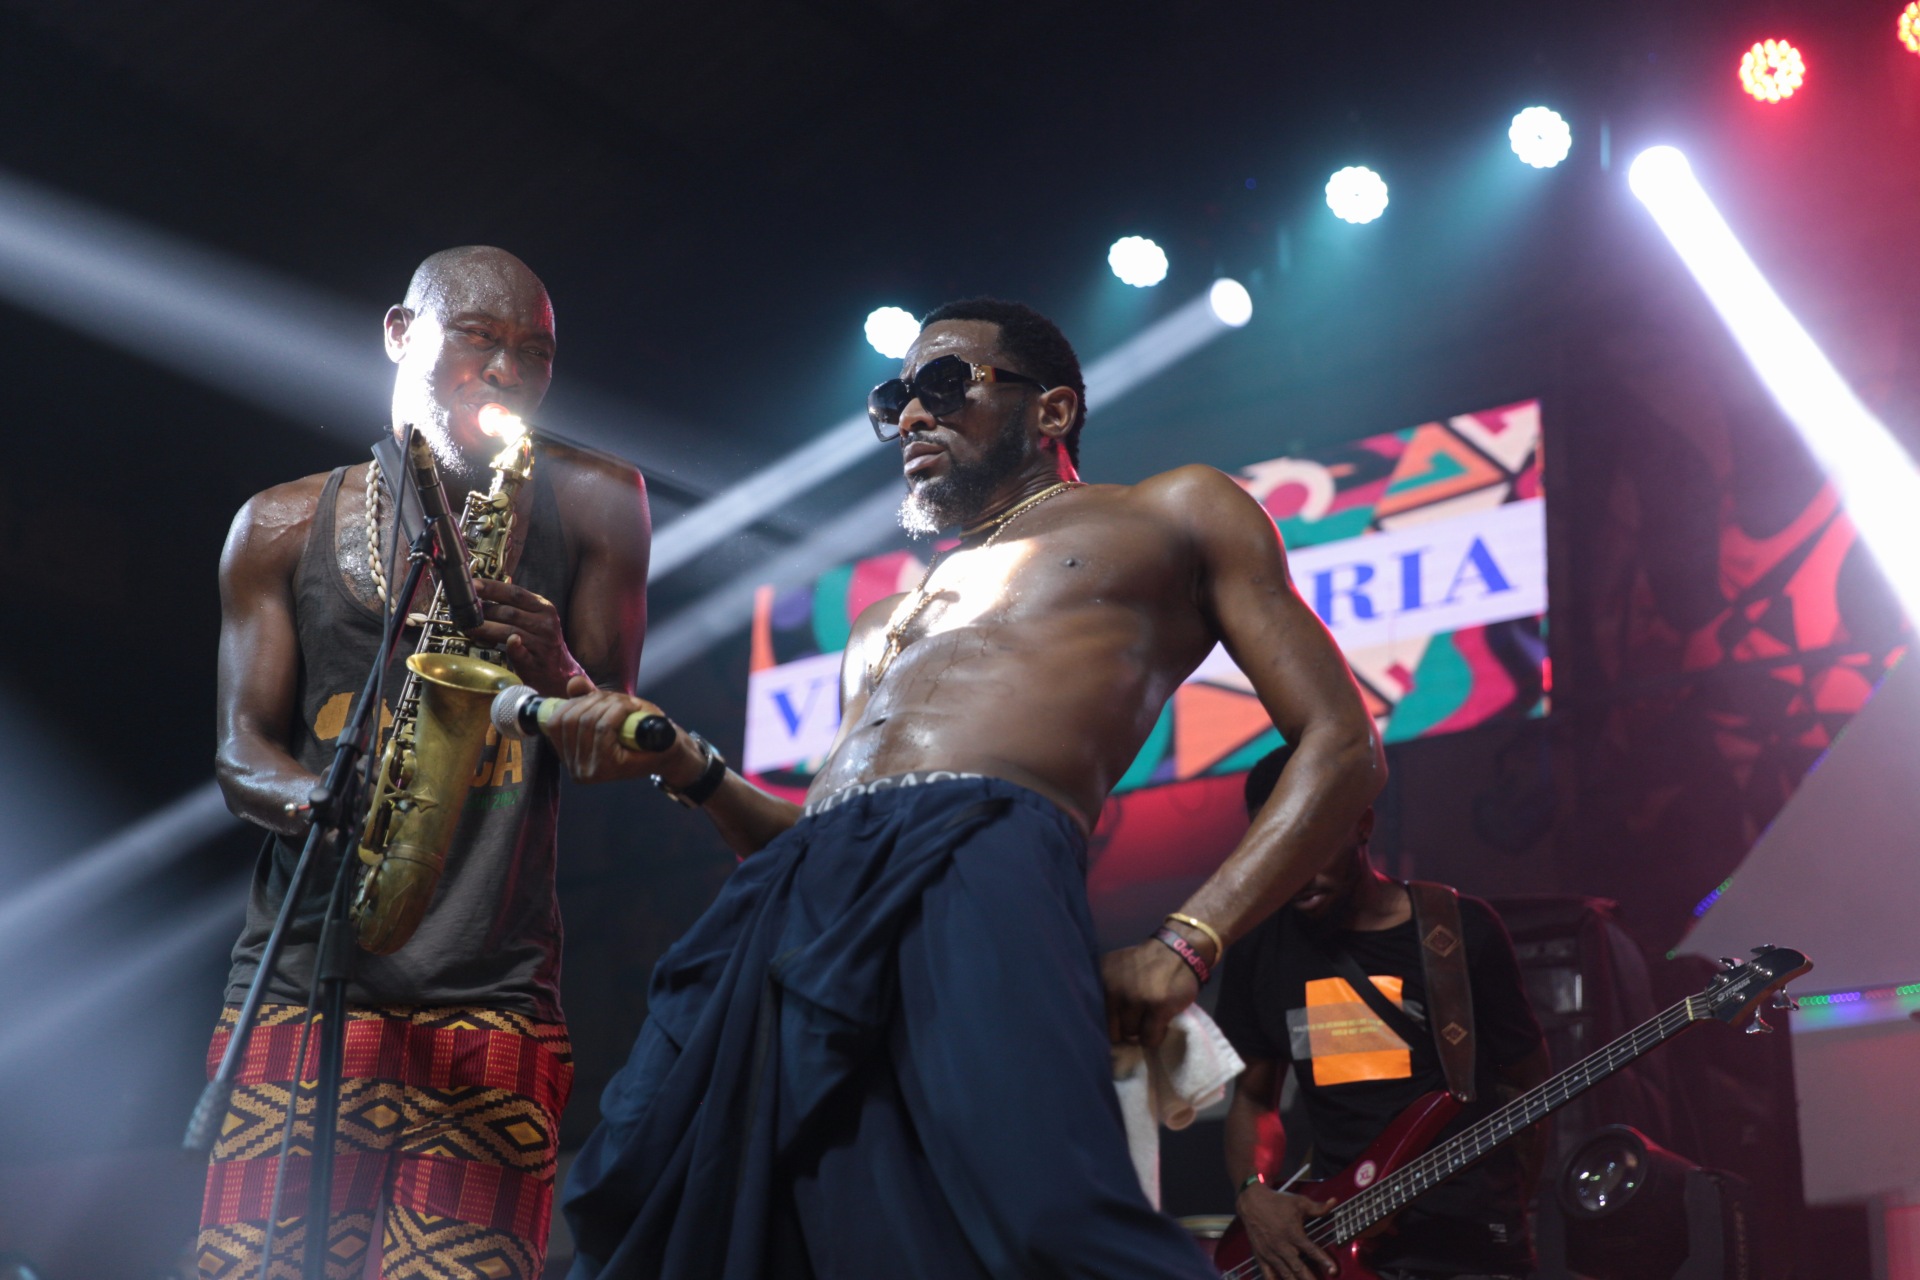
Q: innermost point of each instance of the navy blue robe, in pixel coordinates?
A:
(881, 1052)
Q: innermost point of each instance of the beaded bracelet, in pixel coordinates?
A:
(1185, 950)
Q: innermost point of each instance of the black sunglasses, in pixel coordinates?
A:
(941, 385)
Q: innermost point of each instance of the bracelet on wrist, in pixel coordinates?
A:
(1187, 952)
(1251, 1180)
(1202, 927)
(701, 789)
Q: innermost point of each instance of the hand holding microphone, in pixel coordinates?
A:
(603, 736)
(520, 712)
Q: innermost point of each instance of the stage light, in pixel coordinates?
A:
(1138, 261)
(1541, 137)
(1357, 194)
(1909, 27)
(1772, 70)
(1873, 475)
(1232, 304)
(891, 330)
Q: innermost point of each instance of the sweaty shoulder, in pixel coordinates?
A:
(594, 488)
(582, 471)
(1195, 495)
(270, 531)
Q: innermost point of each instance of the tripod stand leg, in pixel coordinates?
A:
(333, 962)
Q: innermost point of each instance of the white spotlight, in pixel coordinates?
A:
(1874, 476)
(1540, 137)
(891, 330)
(1138, 261)
(1357, 194)
(1232, 304)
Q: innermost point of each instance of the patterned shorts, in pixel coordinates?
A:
(448, 1123)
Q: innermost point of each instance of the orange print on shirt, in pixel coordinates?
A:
(1348, 1040)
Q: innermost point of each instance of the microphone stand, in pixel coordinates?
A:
(335, 817)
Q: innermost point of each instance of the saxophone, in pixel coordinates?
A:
(439, 728)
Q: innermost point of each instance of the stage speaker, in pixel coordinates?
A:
(1635, 1211)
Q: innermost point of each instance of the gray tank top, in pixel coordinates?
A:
(492, 934)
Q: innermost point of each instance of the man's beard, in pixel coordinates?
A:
(958, 496)
(435, 424)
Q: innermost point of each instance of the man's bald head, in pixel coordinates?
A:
(476, 329)
(453, 278)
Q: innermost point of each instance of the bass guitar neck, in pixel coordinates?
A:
(1402, 1163)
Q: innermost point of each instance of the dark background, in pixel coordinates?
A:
(716, 195)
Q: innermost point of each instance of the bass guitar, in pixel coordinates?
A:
(1398, 1166)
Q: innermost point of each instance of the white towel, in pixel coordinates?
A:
(1188, 1072)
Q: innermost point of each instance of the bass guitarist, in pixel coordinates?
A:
(1291, 996)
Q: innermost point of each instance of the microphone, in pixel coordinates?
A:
(450, 552)
(520, 712)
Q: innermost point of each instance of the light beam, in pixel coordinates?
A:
(219, 914)
(77, 883)
(1873, 475)
(298, 352)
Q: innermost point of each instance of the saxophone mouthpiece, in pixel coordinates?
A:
(501, 423)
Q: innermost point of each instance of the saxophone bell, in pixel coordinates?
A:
(426, 795)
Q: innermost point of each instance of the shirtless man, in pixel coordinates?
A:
(302, 610)
(884, 1050)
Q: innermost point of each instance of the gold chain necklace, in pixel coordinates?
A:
(897, 630)
(373, 532)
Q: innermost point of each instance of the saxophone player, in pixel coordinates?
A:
(457, 1058)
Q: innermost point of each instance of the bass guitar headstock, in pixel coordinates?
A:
(1734, 997)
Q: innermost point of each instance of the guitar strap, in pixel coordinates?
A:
(1443, 968)
(1443, 963)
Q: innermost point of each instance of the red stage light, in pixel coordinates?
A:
(1910, 26)
(1772, 70)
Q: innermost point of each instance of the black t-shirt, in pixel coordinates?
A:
(1282, 1001)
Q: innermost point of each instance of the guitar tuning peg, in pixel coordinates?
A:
(1759, 1027)
(1728, 962)
(1781, 1000)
